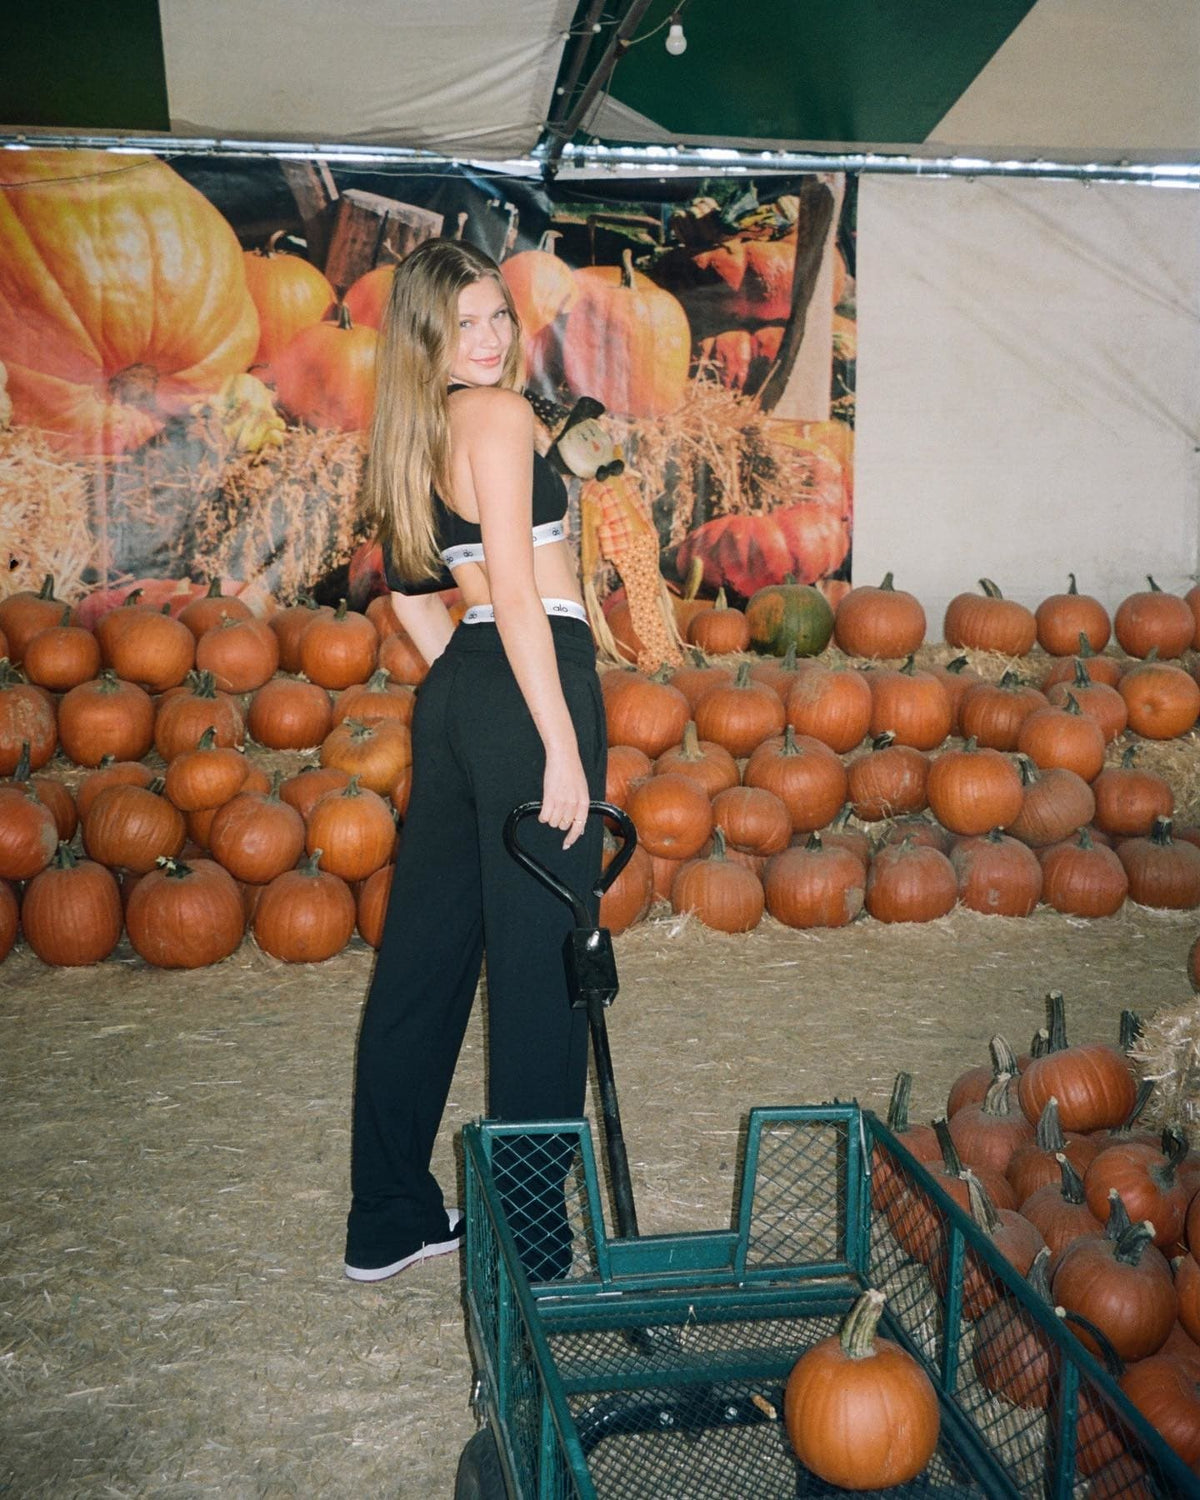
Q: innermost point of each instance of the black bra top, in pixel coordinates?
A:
(453, 530)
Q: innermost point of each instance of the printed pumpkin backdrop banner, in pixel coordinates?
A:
(187, 366)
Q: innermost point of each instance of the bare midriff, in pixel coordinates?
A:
(555, 573)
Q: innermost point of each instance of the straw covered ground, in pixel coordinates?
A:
(173, 1321)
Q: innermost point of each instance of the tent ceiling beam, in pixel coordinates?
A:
(631, 161)
(559, 132)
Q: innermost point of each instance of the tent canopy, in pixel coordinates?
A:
(1063, 79)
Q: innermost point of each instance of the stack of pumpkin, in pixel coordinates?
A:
(187, 856)
(1100, 1214)
(786, 785)
(814, 790)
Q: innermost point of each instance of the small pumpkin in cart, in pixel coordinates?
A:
(860, 1412)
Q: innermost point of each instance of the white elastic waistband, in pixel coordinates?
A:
(465, 552)
(480, 614)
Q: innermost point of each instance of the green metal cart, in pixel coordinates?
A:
(627, 1366)
(655, 1366)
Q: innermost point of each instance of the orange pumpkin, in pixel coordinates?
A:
(627, 342)
(289, 293)
(124, 296)
(367, 297)
(749, 552)
(541, 285)
(326, 375)
(757, 277)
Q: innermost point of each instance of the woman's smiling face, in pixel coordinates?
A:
(485, 333)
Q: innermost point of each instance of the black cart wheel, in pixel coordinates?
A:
(480, 1476)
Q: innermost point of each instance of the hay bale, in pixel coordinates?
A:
(45, 515)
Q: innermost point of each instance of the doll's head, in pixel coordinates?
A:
(580, 445)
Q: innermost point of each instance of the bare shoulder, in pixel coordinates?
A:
(491, 414)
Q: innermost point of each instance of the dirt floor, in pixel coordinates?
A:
(173, 1318)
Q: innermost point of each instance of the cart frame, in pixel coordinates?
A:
(600, 1356)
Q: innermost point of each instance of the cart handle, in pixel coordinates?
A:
(551, 881)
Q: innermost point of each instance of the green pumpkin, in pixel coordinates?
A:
(785, 615)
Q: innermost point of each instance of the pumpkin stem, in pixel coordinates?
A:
(22, 768)
(1083, 678)
(857, 1336)
(1085, 838)
(720, 601)
(1154, 588)
(1072, 1182)
(950, 1157)
(695, 576)
(66, 616)
(983, 1210)
(343, 318)
(1040, 1044)
(1131, 1245)
(11, 676)
(718, 843)
(1128, 757)
(1130, 1033)
(276, 783)
(1160, 834)
(1175, 1148)
(1071, 706)
(1010, 679)
(661, 673)
(789, 746)
(1039, 1282)
(1072, 589)
(743, 675)
(897, 1115)
(1056, 1018)
(882, 741)
(1048, 1133)
(959, 664)
(311, 865)
(888, 584)
(997, 1101)
(1118, 1216)
(690, 748)
(1144, 1090)
(990, 589)
(842, 821)
(1004, 1059)
(157, 786)
(627, 269)
(173, 869)
(971, 745)
(65, 860)
(910, 666)
(1085, 645)
(208, 739)
(1029, 772)
(813, 842)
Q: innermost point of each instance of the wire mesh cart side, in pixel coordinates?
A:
(655, 1366)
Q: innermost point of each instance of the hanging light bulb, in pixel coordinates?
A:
(676, 43)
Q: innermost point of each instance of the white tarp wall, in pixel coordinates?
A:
(1028, 387)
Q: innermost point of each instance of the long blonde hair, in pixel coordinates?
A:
(409, 450)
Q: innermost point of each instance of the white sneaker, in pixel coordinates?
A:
(425, 1252)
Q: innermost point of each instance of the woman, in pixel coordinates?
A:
(509, 712)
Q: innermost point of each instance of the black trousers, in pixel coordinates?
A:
(457, 892)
